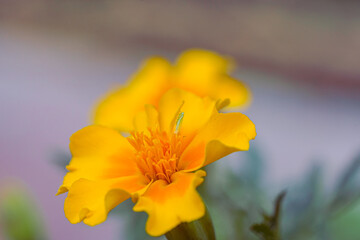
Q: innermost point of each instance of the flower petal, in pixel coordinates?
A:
(91, 201)
(170, 204)
(206, 73)
(222, 135)
(98, 153)
(118, 108)
(196, 69)
(148, 118)
(238, 92)
(197, 111)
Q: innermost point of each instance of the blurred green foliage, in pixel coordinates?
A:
(19, 217)
(269, 228)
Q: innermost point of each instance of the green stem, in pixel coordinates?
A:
(201, 229)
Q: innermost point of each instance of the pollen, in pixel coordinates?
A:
(157, 153)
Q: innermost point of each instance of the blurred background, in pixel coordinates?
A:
(300, 58)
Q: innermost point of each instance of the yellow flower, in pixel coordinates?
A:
(199, 71)
(157, 165)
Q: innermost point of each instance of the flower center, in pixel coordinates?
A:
(157, 153)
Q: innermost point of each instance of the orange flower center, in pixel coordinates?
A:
(157, 153)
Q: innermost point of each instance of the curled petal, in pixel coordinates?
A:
(223, 134)
(98, 153)
(91, 201)
(170, 204)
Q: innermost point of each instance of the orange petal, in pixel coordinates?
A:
(118, 108)
(170, 204)
(98, 153)
(91, 201)
(197, 111)
(222, 135)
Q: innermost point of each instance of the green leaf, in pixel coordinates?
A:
(304, 206)
(269, 228)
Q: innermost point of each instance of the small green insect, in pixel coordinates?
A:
(179, 121)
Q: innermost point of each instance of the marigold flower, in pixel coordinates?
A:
(199, 71)
(157, 165)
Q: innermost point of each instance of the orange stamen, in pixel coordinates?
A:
(157, 153)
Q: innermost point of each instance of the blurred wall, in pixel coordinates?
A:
(317, 42)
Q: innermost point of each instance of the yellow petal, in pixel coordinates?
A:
(118, 108)
(201, 72)
(197, 111)
(98, 153)
(236, 91)
(206, 73)
(149, 118)
(170, 204)
(91, 201)
(197, 70)
(222, 135)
